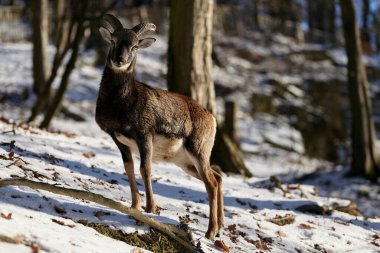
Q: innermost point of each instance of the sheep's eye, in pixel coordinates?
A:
(134, 48)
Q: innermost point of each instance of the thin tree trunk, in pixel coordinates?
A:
(59, 22)
(66, 25)
(62, 43)
(231, 109)
(190, 66)
(57, 100)
(365, 160)
(256, 13)
(321, 25)
(365, 34)
(40, 44)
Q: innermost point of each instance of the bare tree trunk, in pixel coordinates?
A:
(59, 21)
(322, 25)
(190, 66)
(40, 44)
(231, 109)
(62, 43)
(57, 100)
(365, 160)
(190, 47)
(376, 27)
(365, 33)
(256, 13)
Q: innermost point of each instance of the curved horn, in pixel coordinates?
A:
(107, 26)
(111, 23)
(142, 28)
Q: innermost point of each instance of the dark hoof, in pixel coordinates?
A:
(210, 235)
(152, 209)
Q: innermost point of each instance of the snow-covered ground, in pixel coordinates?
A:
(94, 164)
(90, 161)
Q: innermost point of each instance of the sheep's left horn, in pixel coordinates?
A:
(142, 28)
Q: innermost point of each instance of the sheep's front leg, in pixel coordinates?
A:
(145, 145)
(128, 166)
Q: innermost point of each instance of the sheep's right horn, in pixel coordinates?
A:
(112, 23)
(142, 28)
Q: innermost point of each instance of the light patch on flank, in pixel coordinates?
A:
(164, 149)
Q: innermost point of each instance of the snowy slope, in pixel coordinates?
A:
(94, 164)
(91, 162)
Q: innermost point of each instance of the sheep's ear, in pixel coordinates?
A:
(147, 42)
(106, 35)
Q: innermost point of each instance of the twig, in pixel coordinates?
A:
(80, 194)
(9, 131)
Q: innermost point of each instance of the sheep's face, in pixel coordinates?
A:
(123, 42)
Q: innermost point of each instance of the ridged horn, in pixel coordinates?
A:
(112, 23)
(142, 28)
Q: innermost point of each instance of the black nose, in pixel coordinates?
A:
(121, 60)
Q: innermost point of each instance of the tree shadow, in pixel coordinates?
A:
(177, 192)
(66, 209)
(76, 166)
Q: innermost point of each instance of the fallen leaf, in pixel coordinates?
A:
(35, 248)
(283, 220)
(221, 245)
(58, 222)
(101, 213)
(234, 239)
(241, 202)
(62, 223)
(55, 176)
(232, 228)
(305, 226)
(100, 182)
(139, 223)
(320, 248)
(88, 155)
(3, 157)
(59, 210)
(83, 222)
(113, 181)
(6, 216)
(137, 250)
(259, 244)
(280, 233)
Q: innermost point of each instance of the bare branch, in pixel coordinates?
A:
(171, 231)
(7, 239)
